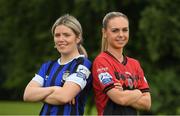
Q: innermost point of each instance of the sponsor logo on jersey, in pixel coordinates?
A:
(83, 72)
(103, 69)
(105, 78)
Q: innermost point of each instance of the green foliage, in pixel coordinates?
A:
(26, 41)
(159, 26)
(165, 91)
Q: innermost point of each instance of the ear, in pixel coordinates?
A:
(78, 40)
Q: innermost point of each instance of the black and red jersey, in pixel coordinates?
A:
(107, 70)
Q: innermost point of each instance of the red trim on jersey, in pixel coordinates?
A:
(107, 70)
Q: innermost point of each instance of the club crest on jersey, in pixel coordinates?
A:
(65, 75)
(105, 78)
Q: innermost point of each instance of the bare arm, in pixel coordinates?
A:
(125, 97)
(143, 103)
(64, 94)
(34, 92)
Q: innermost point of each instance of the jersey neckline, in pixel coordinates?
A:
(124, 62)
(59, 60)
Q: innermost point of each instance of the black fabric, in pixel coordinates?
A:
(145, 90)
(60, 110)
(49, 69)
(61, 107)
(114, 109)
(50, 66)
(51, 84)
(41, 110)
(47, 74)
(79, 61)
(55, 75)
(71, 69)
(107, 88)
(83, 96)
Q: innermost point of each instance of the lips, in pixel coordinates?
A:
(120, 41)
(61, 45)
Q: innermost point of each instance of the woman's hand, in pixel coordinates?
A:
(72, 102)
(118, 86)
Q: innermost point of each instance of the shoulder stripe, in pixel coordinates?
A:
(107, 88)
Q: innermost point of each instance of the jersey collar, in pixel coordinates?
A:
(124, 62)
(59, 60)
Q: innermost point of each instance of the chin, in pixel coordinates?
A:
(119, 46)
(62, 51)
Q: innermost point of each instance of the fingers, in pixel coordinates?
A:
(118, 86)
(72, 102)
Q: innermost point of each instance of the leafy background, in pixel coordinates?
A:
(26, 42)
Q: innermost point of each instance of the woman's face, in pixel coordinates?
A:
(65, 40)
(117, 32)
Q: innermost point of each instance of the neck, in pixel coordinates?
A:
(67, 57)
(117, 53)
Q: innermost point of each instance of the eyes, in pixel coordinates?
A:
(63, 34)
(117, 30)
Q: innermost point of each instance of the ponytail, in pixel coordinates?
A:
(82, 50)
(103, 43)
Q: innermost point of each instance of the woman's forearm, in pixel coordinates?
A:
(130, 96)
(143, 103)
(63, 95)
(34, 92)
(124, 97)
(52, 99)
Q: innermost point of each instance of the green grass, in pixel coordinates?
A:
(26, 108)
(19, 108)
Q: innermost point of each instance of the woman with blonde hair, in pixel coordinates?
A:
(119, 83)
(63, 84)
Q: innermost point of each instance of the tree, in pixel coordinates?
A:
(159, 28)
(26, 41)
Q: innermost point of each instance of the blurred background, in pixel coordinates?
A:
(26, 42)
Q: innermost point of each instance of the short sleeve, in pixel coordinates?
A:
(38, 79)
(81, 75)
(142, 83)
(103, 75)
(41, 74)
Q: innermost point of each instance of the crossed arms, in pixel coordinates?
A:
(53, 95)
(134, 98)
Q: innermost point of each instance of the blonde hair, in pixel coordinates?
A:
(72, 23)
(106, 19)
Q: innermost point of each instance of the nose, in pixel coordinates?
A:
(59, 38)
(120, 33)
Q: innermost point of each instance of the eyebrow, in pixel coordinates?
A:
(118, 27)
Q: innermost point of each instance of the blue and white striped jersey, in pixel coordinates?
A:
(54, 73)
